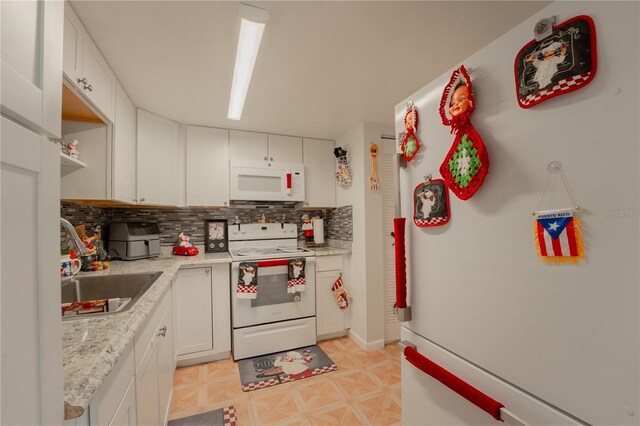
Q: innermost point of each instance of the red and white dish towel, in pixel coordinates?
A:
(247, 287)
(247, 280)
(297, 282)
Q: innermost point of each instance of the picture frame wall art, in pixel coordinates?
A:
(216, 239)
(561, 63)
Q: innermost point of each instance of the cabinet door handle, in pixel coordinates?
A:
(266, 158)
(83, 80)
(141, 200)
(270, 158)
(163, 331)
(89, 88)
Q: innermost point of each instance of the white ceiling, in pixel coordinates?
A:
(323, 66)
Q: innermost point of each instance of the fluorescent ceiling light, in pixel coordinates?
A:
(252, 23)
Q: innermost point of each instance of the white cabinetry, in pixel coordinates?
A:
(330, 319)
(202, 317)
(85, 67)
(286, 149)
(123, 157)
(92, 182)
(155, 365)
(31, 374)
(126, 412)
(247, 145)
(31, 63)
(111, 399)
(263, 147)
(158, 160)
(207, 166)
(319, 166)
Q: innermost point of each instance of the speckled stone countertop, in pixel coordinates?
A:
(92, 346)
(329, 251)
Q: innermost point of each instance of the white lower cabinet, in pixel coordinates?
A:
(154, 372)
(330, 319)
(147, 388)
(126, 413)
(202, 314)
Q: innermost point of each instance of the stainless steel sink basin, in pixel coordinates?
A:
(128, 288)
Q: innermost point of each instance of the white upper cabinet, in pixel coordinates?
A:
(158, 160)
(85, 67)
(207, 166)
(123, 160)
(319, 167)
(73, 46)
(32, 63)
(263, 147)
(247, 145)
(286, 149)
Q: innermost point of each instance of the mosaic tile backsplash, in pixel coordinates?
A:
(338, 222)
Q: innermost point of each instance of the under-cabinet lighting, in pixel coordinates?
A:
(252, 23)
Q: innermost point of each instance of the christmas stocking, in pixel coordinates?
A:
(341, 294)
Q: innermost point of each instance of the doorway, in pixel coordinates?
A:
(389, 176)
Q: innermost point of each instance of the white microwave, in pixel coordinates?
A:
(266, 181)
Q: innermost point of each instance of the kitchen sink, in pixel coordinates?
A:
(121, 290)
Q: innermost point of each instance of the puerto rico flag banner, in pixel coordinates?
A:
(558, 237)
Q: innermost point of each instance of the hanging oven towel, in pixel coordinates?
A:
(297, 281)
(247, 280)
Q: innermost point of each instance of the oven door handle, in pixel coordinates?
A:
(268, 263)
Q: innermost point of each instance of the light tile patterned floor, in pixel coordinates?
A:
(365, 390)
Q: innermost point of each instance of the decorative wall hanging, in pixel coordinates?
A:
(343, 170)
(374, 180)
(557, 233)
(467, 162)
(340, 293)
(431, 203)
(563, 62)
(410, 143)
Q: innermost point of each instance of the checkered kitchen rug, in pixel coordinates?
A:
(281, 367)
(225, 416)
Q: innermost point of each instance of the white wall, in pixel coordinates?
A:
(568, 334)
(364, 269)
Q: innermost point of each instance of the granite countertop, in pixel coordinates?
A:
(92, 346)
(330, 251)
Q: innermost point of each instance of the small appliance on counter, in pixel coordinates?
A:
(134, 240)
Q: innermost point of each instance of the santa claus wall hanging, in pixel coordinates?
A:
(561, 62)
(467, 162)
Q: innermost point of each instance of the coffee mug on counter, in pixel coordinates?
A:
(69, 267)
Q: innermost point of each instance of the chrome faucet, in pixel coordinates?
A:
(76, 242)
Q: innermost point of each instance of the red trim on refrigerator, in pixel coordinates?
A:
(456, 384)
(401, 262)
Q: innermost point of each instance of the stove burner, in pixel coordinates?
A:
(290, 249)
(249, 252)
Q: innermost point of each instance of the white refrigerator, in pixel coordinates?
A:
(555, 344)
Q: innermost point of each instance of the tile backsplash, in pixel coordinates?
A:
(171, 221)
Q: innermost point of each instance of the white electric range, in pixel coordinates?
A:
(275, 320)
